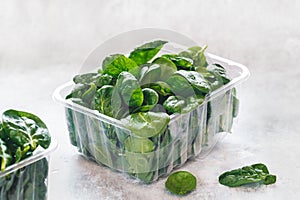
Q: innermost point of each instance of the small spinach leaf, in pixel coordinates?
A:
(146, 52)
(129, 89)
(115, 64)
(4, 155)
(257, 173)
(167, 67)
(181, 183)
(102, 100)
(174, 104)
(196, 53)
(150, 74)
(150, 99)
(146, 124)
(86, 78)
(139, 145)
(180, 61)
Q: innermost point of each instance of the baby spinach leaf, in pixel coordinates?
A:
(162, 88)
(187, 83)
(181, 183)
(150, 99)
(196, 53)
(129, 90)
(4, 155)
(196, 80)
(174, 104)
(192, 103)
(139, 145)
(25, 129)
(150, 74)
(180, 85)
(86, 78)
(167, 67)
(115, 64)
(78, 91)
(180, 61)
(146, 124)
(218, 70)
(89, 94)
(146, 52)
(102, 100)
(104, 79)
(257, 173)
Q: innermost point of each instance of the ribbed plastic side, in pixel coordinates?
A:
(188, 135)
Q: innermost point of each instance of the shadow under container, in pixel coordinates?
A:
(187, 135)
(28, 179)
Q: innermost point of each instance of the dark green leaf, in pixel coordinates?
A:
(146, 52)
(115, 64)
(161, 88)
(102, 100)
(180, 61)
(129, 89)
(257, 173)
(150, 99)
(187, 83)
(4, 154)
(25, 129)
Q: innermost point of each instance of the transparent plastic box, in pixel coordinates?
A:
(27, 179)
(191, 134)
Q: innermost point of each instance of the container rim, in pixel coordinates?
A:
(37, 155)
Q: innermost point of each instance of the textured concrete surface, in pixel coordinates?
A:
(44, 43)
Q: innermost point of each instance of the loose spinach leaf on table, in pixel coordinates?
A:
(181, 183)
(257, 173)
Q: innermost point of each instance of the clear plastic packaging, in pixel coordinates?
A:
(188, 135)
(27, 179)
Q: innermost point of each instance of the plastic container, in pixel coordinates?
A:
(27, 179)
(188, 135)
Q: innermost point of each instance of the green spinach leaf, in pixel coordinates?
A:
(174, 104)
(167, 68)
(181, 183)
(196, 53)
(146, 124)
(25, 129)
(146, 52)
(115, 64)
(257, 173)
(103, 100)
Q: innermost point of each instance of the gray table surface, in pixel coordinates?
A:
(42, 45)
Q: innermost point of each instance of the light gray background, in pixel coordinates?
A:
(43, 43)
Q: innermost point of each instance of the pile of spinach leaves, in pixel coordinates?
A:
(141, 90)
(21, 133)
